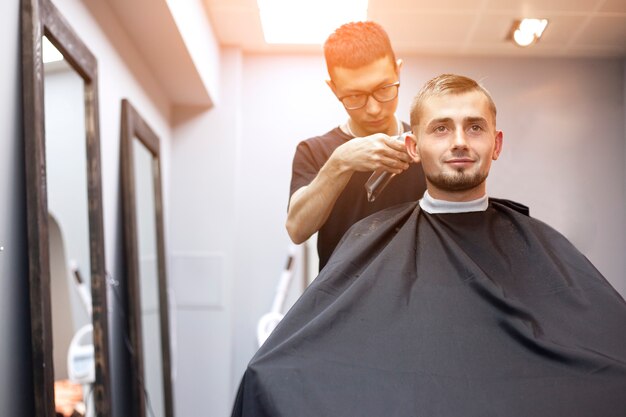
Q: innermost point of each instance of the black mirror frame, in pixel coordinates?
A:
(39, 18)
(133, 125)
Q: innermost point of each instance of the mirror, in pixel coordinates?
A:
(146, 272)
(68, 234)
(65, 230)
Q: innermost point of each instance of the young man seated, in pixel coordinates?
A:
(456, 305)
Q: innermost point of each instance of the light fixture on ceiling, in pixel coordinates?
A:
(526, 32)
(307, 22)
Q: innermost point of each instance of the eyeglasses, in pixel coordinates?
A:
(382, 95)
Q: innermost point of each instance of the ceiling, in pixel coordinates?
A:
(577, 28)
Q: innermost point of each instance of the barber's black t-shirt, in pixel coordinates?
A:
(352, 204)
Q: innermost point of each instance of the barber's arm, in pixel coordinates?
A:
(310, 206)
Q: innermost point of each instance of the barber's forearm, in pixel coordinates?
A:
(311, 205)
(306, 216)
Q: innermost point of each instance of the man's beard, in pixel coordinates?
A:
(457, 181)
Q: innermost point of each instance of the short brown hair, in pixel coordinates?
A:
(355, 44)
(442, 85)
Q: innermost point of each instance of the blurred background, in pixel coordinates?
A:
(229, 109)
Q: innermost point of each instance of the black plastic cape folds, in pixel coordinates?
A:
(479, 314)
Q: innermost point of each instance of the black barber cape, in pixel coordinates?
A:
(479, 314)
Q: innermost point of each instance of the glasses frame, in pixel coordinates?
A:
(371, 94)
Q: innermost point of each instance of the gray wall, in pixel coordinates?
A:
(15, 370)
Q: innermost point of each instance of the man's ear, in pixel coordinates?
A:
(498, 148)
(410, 143)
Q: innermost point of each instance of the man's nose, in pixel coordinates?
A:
(372, 106)
(459, 140)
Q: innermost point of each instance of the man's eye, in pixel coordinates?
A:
(476, 128)
(440, 129)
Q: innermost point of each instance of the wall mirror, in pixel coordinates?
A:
(146, 270)
(65, 228)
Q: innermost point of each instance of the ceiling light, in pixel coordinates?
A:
(307, 22)
(526, 32)
(49, 52)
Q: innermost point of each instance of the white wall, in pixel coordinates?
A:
(195, 28)
(205, 160)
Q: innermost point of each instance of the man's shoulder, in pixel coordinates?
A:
(387, 216)
(370, 231)
(333, 136)
(521, 213)
(311, 154)
(318, 149)
(510, 204)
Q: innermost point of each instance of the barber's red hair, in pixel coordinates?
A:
(356, 44)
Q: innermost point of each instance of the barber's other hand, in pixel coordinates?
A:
(371, 153)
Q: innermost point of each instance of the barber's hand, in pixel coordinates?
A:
(373, 152)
